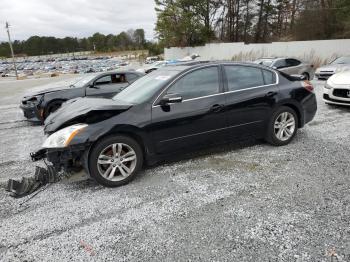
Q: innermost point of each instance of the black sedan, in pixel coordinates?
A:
(38, 106)
(173, 109)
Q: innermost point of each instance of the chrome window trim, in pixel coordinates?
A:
(223, 93)
(180, 76)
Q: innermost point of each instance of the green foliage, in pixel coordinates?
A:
(195, 22)
(183, 22)
(41, 45)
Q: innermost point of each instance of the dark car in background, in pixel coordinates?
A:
(175, 109)
(38, 106)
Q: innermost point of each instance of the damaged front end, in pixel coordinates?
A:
(70, 159)
(64, 158)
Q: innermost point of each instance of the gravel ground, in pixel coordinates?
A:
(246, 202)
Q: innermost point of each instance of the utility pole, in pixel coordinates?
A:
(10, 43)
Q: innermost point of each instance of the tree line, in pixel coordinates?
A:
(42, 45)
(196, 22)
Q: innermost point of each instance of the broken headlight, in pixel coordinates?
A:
(63, 137)
(33, 101)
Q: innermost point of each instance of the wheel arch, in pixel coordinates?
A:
(50, 103)
(125, 130)
(297, 110)
(307, 74)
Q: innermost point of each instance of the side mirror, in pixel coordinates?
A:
(93, 86)
(275, 67)
(170, 99)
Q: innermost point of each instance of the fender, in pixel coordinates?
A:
(142, 137)
(295, 106)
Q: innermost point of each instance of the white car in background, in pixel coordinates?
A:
(337, 89)
(339, 65)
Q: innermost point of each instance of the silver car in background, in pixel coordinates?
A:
(290, 66)
(341, 64)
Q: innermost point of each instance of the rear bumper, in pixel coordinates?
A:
(32, 113)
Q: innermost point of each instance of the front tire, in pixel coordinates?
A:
(115, 160)
(282, 126)
(52, 107)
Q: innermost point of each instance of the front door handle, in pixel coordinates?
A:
(216, 108)
(271, 94)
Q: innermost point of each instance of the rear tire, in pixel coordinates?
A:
(115, 160)
(282, 126)
(307, 76)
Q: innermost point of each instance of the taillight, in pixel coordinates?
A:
(308, 86)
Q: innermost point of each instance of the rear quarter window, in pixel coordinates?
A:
(269, 77)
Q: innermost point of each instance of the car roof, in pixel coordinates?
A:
(197, 64)
(268, 58)
(119, 72)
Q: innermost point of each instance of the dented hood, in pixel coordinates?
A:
(83, 110)
(46, 91)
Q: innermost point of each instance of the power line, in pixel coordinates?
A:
(10, 43)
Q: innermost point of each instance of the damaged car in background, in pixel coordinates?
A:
(175, 109)
(38, 106)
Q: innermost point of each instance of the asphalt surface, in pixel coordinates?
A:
(243, 202)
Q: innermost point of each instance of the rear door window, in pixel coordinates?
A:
(131, 77)
(282, 63)
(202, 82)
(293, 62)
(243, 77)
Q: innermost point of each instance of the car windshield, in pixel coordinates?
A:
(83, 81)
(145, 87)
(341, 60)
(265, 62)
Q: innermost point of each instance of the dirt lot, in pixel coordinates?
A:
(247, 202)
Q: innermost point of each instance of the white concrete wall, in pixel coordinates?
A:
(317, 52)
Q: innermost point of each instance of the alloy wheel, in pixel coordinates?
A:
(284, 126)
(116, 162)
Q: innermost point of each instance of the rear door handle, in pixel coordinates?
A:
(216, 108)
(271, 94)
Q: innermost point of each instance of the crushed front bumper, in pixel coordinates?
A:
(72, 158)
(33, 113)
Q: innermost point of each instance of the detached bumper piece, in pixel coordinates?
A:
(39, 155)
(28, 185)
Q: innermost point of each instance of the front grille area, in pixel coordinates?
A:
(326, 97)
(345, 93)
(326, 75)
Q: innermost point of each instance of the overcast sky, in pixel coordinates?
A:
(76, 18)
